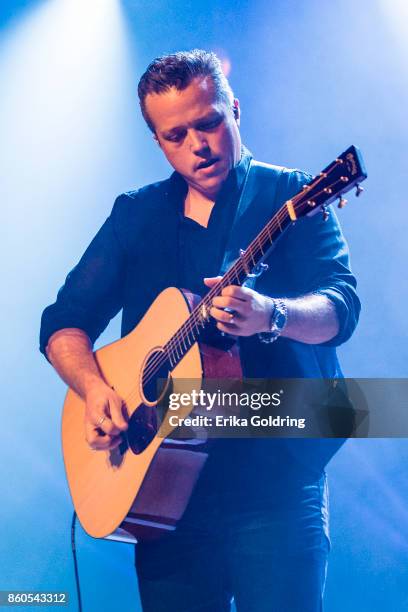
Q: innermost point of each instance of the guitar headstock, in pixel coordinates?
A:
(344, 173)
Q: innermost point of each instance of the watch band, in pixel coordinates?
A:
(277, 322)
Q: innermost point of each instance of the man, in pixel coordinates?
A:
(256, 526)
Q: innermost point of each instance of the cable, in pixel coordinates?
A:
(73, 549)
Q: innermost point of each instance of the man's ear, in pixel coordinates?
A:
(236, 110)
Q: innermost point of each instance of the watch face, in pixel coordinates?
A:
(280, 320)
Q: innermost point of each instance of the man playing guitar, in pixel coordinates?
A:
(256, 526)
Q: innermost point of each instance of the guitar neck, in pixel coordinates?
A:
(340, 176)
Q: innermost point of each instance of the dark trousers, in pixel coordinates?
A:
(257, 535)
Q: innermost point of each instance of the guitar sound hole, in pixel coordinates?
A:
(155, 376)
(144, 422)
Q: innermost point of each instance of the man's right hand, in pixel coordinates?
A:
(70, 352)
(105, 416)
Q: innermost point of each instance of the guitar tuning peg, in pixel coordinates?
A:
(342, 202)
(325, 213)
(359, 190)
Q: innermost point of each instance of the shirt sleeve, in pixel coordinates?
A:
(318, 262)
(93, 291)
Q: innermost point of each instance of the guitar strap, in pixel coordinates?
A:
(260, 198)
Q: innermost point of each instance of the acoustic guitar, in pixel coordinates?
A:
(140, 489)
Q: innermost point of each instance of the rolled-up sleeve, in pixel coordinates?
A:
(318, 262)
(93, 291)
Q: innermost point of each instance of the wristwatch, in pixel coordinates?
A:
(277, 322)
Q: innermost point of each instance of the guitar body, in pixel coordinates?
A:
(140, 489)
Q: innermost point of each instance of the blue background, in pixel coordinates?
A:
(312, 78)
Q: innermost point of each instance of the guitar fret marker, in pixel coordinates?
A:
(204, 314)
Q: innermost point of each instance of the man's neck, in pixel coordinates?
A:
(198, 206)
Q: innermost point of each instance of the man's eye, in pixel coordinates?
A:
(209, 125)
(176, 137)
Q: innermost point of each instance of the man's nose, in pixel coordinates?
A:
(197, 141)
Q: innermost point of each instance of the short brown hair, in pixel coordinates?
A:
(178, 70)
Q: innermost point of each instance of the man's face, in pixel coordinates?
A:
(198, 134)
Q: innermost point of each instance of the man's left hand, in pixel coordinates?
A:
(248, 312)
